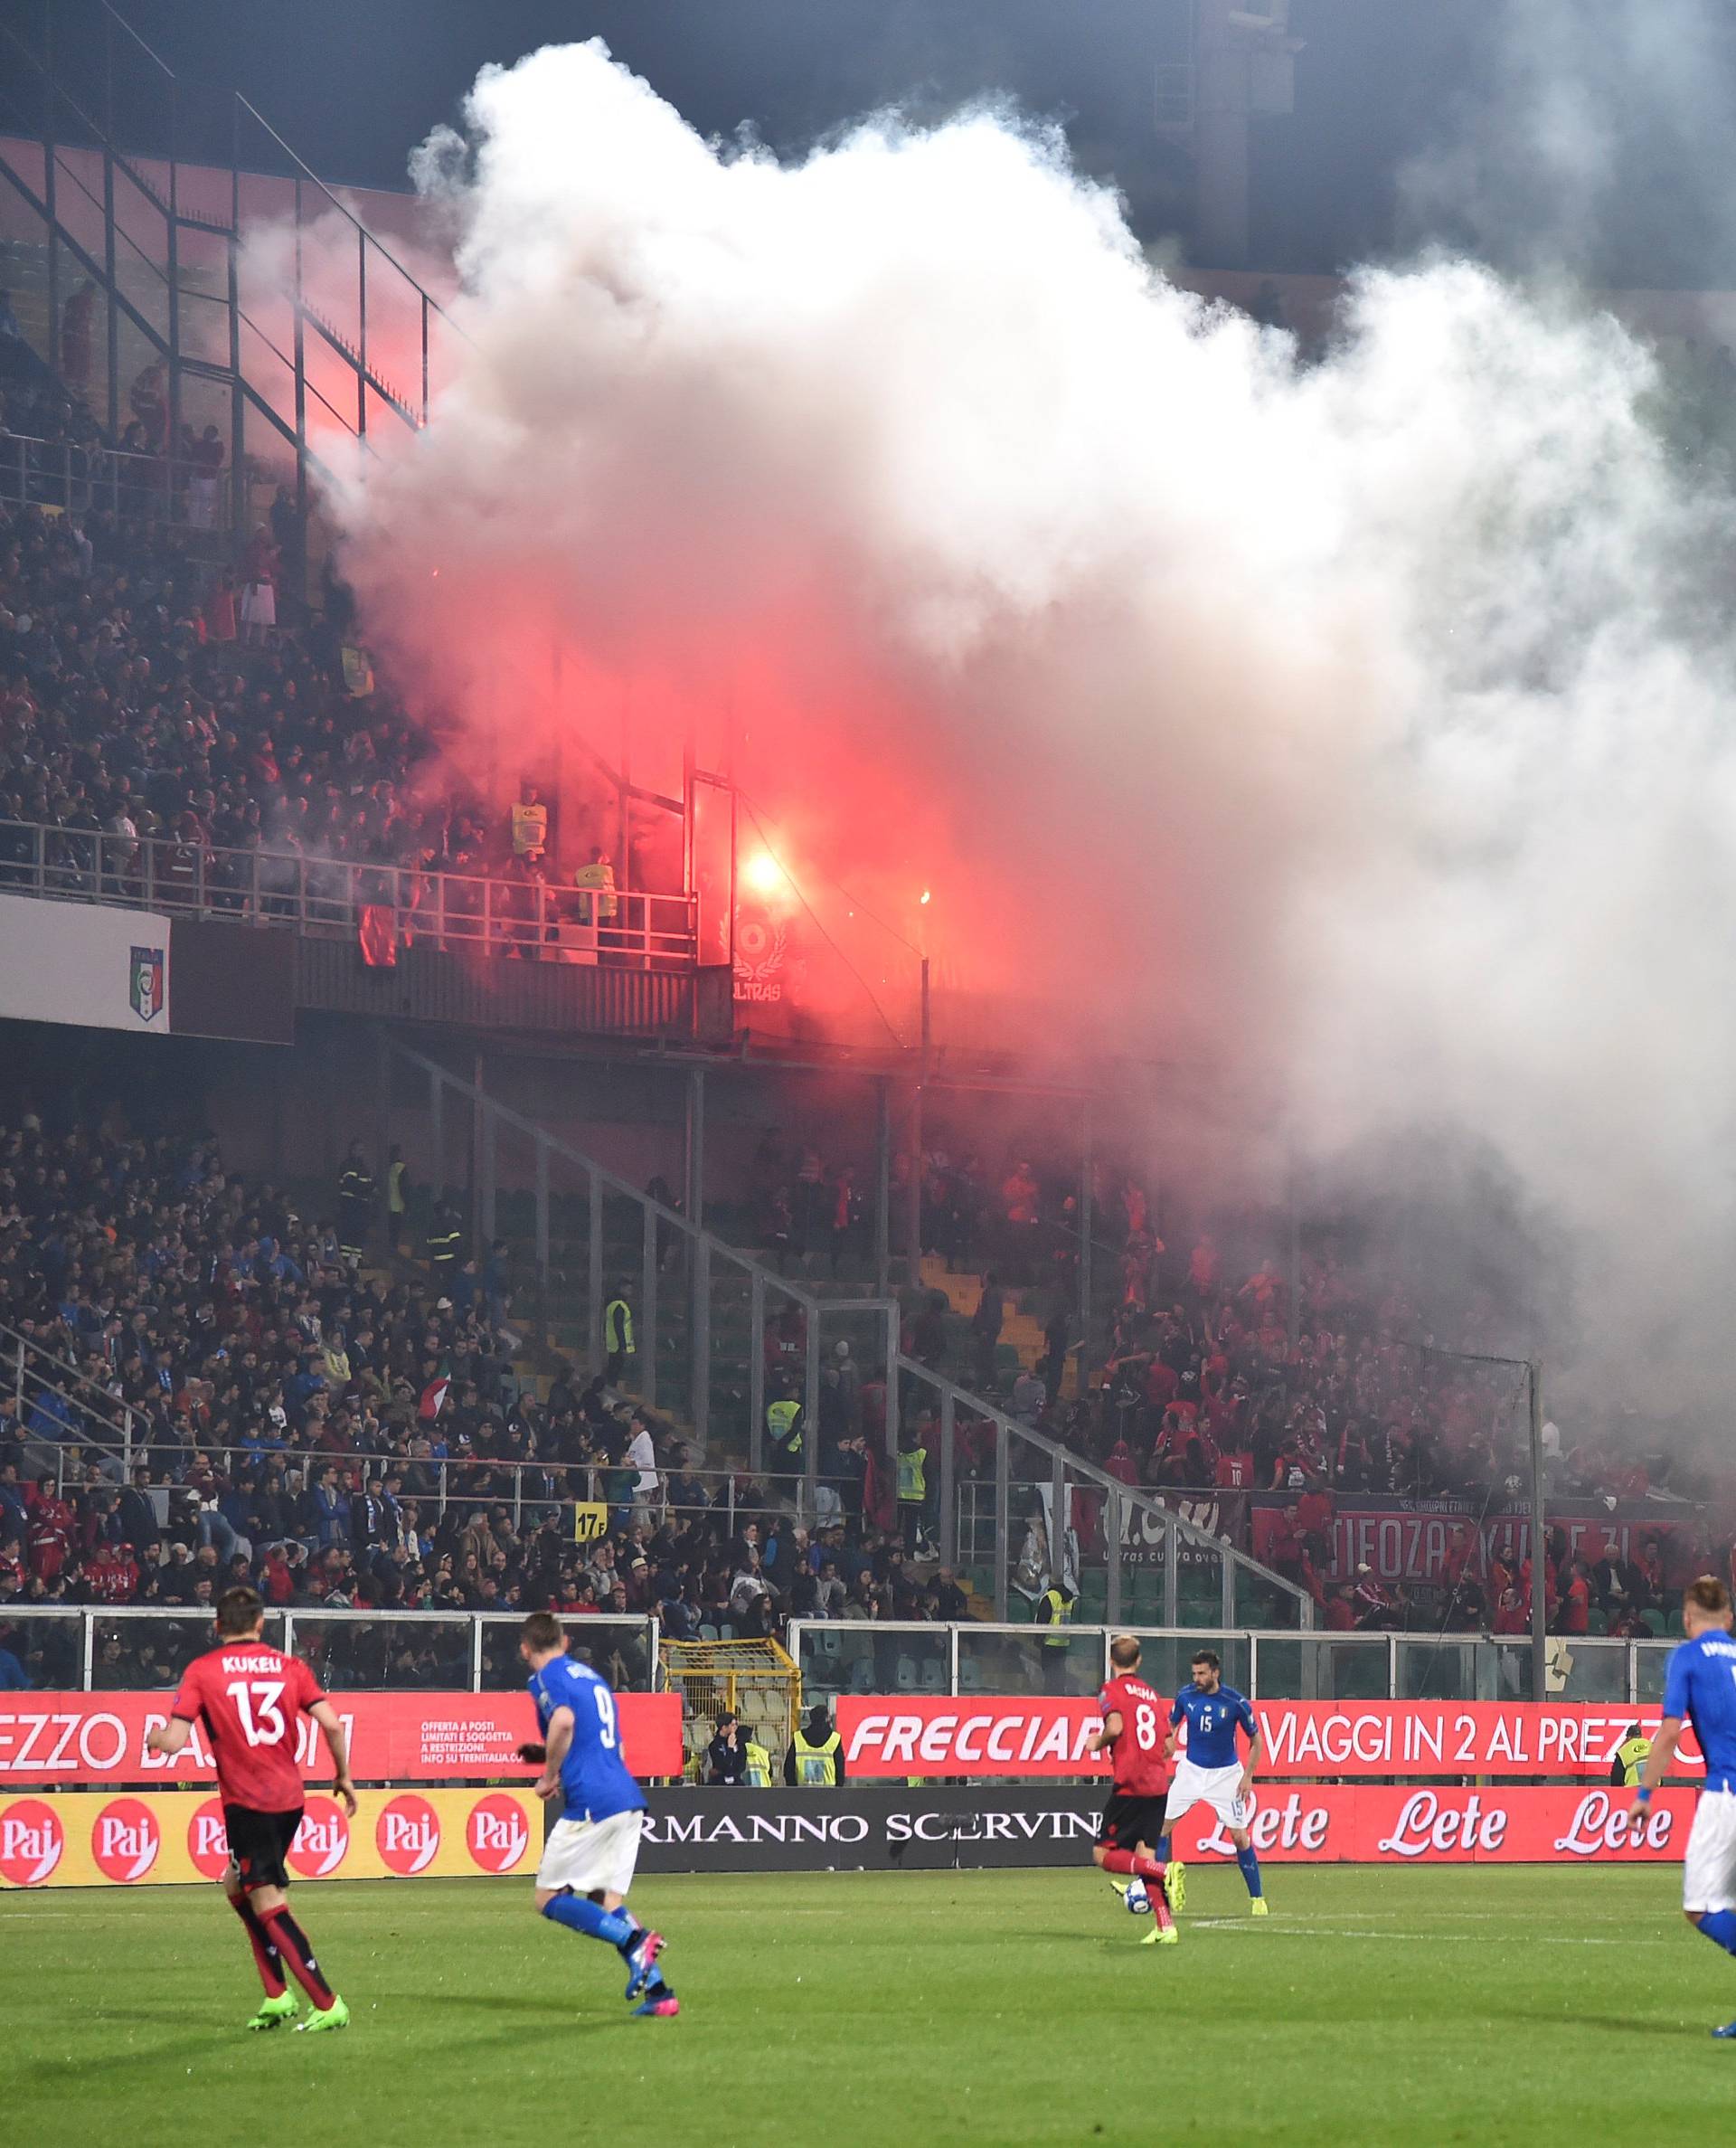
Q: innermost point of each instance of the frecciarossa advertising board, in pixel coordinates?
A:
(900, 1736)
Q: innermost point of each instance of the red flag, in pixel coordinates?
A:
(433, 1399)
(379, 935)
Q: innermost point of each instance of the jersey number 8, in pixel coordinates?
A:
(1145, 1727)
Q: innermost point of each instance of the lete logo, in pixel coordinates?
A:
(324, 1841)
(496, 1833)
(1599, 1824)
(1427, 1823)
(125, 1839)
(31, 1841)
(1285, 1826)
(407, 1834)
(208, 1839)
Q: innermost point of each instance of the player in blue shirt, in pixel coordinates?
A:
(1699, 1687)
(589, 1859)
(1209, 1772)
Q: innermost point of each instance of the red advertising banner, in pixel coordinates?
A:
(1406, 1541)
(1521, 1824)
(62, 1740)
(900, 1736)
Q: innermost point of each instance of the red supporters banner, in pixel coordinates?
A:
(1520, 1824)
(984, 1738)
(59, 1740)
(1407, 1542)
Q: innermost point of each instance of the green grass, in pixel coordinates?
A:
(1475, 2005)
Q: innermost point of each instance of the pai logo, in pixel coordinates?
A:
(31, 1841)
(322, 1841)
(125, 1839)
(407, 1834)
(208, 1839)
(497, 1834)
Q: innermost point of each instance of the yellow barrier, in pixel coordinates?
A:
(91, 1839)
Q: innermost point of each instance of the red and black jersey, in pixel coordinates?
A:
(1138, 1754)
(250, 1698)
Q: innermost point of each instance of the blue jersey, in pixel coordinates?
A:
(1211, 1719)
(1701, 1685)
(594, 1777)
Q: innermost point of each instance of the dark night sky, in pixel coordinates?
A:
(352, 84)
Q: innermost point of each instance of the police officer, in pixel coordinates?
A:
(356, 1193)
(444, 1243)
(815, 1756)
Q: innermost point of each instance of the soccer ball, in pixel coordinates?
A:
(1138, 1900)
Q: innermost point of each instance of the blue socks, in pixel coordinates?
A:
(1162, 1851)
(581, 1913)
(1719, 1927)
(1250, 1865)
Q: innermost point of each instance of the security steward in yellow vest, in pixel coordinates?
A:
(912, 1489)
(1054, 1609)
(758, 1776)
(786, 1422)
(598, 902)
(815, 1756)
(618, 1335)
(1631, 1758)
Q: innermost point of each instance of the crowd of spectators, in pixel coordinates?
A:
(344, 1438)
(1309, 1384)
(187, 729)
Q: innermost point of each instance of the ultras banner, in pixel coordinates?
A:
(983, 1738)
(858, 1829)
(87, 963)
(57, 1740)
(1406, 1542)
(93, 1839)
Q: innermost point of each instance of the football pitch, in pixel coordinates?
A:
(1447, 2005)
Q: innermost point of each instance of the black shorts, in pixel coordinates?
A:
(1127, 1821)
(259, 1843)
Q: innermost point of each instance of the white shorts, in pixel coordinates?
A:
(1219, 1787)
(1709, 1869)
(592, 1855)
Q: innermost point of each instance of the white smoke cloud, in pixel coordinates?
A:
(1359, 728)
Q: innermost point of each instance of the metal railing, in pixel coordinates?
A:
(530, 920)
(691, 1327)
(77, 478)
(58, 1402)
(842, 1656)
(99, 1647)
(529, 1490)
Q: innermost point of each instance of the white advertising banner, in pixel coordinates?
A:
(87, 963)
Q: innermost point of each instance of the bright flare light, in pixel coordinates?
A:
(925, 895)
(762, 873)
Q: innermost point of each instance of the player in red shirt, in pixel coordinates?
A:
(1135, 1730)
(248, 1698)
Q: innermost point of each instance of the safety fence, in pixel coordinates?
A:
(837, 1658)
(73, 477)
(127, 1647)
(528, 918)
